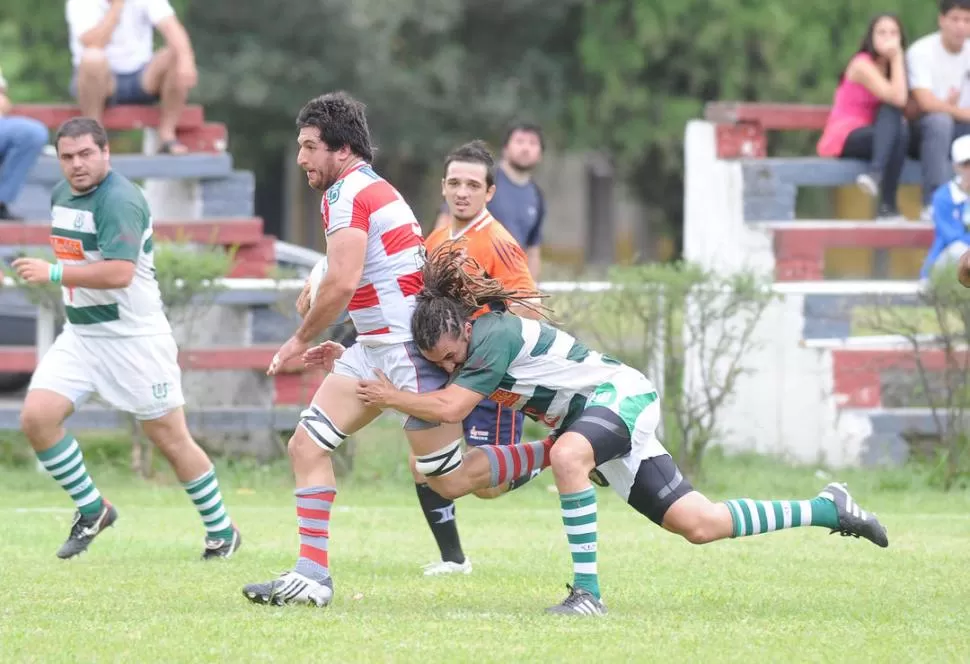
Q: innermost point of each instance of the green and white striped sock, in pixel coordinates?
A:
(579, 518)
(754, 517)
(65, 463)
(207, 499)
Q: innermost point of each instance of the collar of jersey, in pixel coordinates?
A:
(481, 221)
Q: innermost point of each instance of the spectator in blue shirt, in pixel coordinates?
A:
(518, 202)
(951, 212)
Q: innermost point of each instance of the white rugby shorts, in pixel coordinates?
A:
(402, 363)
(137, 375)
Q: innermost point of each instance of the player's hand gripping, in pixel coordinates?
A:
(323, 356)
(33, 270)
(376, 392)
(293, 348)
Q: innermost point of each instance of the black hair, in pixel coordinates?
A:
(528, 127)
(82, 126)
(455, 287)
(867, 45)
(341, 120)
(475, 152)
(947, 5)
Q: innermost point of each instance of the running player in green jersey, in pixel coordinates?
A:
(605, 416)
(116, 342)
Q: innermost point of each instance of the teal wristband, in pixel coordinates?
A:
(56, 272)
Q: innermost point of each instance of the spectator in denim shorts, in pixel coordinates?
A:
(114, 61)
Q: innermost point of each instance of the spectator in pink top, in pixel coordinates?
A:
(866, 121)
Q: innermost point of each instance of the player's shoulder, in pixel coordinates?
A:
(60, 191)
(436, 238)
(361, 181)
(496, 230)
(116, 188)
(496, 327)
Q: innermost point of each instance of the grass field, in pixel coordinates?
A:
(141, 593)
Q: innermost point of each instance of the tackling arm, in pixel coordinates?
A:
(451, 404)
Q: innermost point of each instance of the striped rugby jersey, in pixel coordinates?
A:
(531, 366)
(110, 222)
(385, 297)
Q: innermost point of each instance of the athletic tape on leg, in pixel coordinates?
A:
(321, 429)
(444, 461)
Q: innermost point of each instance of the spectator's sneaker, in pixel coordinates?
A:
(291, 588)
(222, 548)
(86, 528)
(853, 520)
(887, 213)
(579, 603)
(869, 183)
(442, 567)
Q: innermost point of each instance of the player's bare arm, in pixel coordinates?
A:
(451, 404)
(106, 275)
(345, 250)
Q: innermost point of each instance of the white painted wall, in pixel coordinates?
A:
(786, 405)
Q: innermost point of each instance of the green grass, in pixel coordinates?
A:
(141, 594)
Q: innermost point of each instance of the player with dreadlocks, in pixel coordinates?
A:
(605, 415)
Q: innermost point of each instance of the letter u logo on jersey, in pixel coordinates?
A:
(160, 390)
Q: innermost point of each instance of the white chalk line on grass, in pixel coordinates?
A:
(919, 516)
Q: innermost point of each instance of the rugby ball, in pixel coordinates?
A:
(317, 274)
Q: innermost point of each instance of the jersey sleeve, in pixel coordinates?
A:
(121, 225)
(158, 10)
(496, 341)
(82, 16)
(341, 210)
(509, 264)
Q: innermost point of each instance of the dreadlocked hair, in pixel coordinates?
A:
(455, 287)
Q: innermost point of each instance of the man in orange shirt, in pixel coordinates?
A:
(468, 185)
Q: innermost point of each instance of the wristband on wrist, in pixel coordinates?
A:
(56, 272)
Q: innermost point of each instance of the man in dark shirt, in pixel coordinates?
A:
(518, 203)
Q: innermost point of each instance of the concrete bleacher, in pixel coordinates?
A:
(198, 198)
(816, 393)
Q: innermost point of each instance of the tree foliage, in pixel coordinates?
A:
(649, 66)
(623, 76)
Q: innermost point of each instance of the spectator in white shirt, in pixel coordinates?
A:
(939, 67)
(114, 61)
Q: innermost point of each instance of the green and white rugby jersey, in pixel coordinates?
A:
(111, 222)
(533, 367)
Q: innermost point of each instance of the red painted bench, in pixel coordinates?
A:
(741, 127)
(192, 130)
(255, 254)
(858, 372)
(800, 247)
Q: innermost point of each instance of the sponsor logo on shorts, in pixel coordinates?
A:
(479, 434)
(504, 398)
(160, 390)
